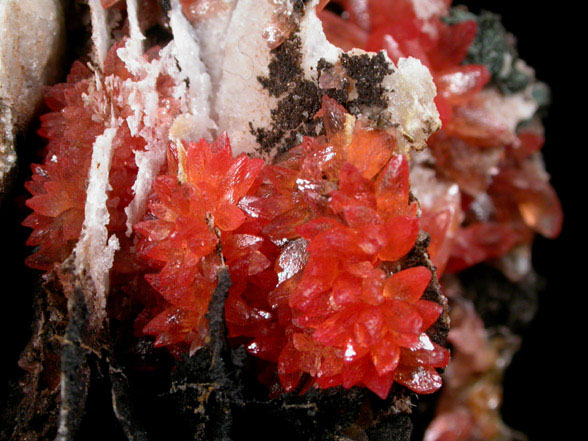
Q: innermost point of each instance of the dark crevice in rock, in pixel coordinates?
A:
(316, 415)
(422, 415)
(122, 405)
(33, 403)
(391, 428)
(75, 372)
(497, 300)
(205, 386)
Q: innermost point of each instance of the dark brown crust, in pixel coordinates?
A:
(299, 98)
(419, 257)
(368, 71)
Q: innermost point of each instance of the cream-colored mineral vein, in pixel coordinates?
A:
(94, 252)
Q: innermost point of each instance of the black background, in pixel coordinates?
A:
(545, 386)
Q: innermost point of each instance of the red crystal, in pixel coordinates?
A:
(190, 220)
(459, 84)
(452, 45)
(58, 186)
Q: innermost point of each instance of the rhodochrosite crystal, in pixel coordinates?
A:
(346, 319)
(194, 210)
(309, 246)
(59, 191)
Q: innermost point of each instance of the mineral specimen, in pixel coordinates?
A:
(291, 265)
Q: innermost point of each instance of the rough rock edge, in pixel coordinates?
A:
(32, 407)
(210, 394)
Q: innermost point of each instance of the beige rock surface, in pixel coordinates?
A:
(32, 36)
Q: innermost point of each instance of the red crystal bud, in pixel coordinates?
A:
(453, 44)
(422, 380)
(392, 188)
(407, 285)
(459, 84)
(402, 233)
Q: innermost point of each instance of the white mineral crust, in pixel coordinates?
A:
(241, 99)
(411, 94)
(94, 252)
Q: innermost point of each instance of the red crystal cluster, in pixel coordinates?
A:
(347, 321)
(309, 243)
(58, 192)
(493, 164)
(192, 219)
